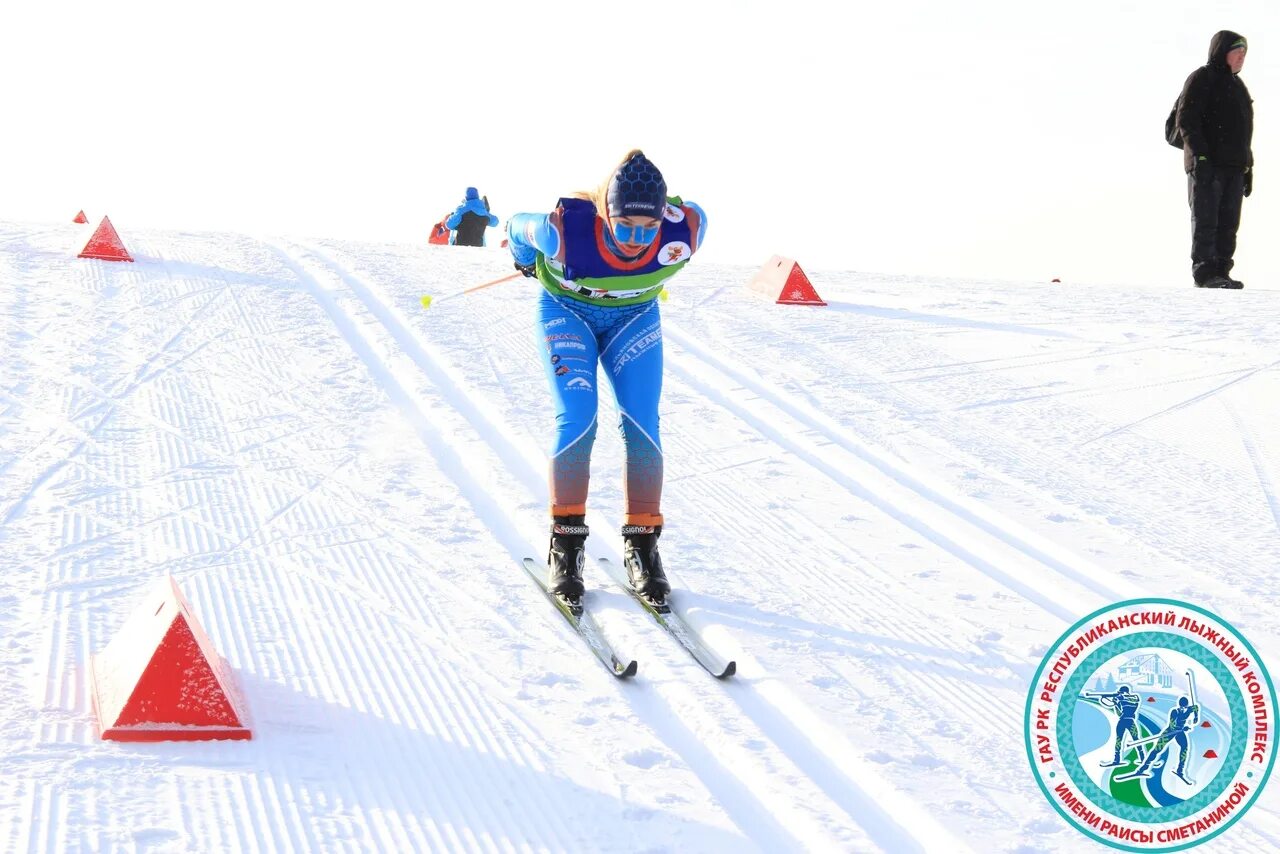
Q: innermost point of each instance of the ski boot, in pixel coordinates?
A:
(565, 558)
(643, 563)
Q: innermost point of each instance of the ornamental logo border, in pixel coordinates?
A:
(1147, 630)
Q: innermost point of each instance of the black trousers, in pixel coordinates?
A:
(1215, 194)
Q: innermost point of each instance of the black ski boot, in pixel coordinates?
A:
(643, 563)
(566, 556)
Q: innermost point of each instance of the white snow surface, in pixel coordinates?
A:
(885, 509)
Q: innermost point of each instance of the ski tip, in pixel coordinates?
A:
(729, 670)
(627, 671)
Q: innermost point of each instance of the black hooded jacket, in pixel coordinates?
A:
(1215, 112)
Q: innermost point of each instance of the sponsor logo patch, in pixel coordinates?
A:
(674, 252)
(1149, 725)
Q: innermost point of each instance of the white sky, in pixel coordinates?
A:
(1001, 139)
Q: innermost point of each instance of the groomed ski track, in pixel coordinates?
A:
(222, 408)
(696, 709)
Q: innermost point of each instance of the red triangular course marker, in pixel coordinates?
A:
(782, 280)
(1151, 699)
(105, 244)
(1209, 754)
(80, 217)
(160, 679)
(1205, 725)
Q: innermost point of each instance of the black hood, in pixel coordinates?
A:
(1220, 46)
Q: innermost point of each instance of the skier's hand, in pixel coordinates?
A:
(1198, 163)
(1248, 182)
(526, 269)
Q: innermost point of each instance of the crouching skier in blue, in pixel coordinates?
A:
(602, 259)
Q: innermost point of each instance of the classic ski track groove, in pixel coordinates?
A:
(858, 794)
(951, 525)
(993, 447)
(719, 779)
(470, 488)
(1265, 482)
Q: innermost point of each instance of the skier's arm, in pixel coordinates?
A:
(702, 221)
(455, 219)
(529, 234)
(1190, 119)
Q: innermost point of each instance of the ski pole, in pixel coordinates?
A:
(427, 299)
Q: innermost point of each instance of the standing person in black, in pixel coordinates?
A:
(1215, 118)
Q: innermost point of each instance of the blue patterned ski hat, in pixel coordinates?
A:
(637, 189)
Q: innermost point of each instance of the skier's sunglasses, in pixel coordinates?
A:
(634, 233)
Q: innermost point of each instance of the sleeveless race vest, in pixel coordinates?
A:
(585, 268)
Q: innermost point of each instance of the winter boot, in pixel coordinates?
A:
(644, 564)
(566, 557)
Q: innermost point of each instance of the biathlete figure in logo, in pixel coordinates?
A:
(1126, 704)
(1176, 731)
(602, 258)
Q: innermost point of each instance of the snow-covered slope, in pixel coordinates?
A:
(885, 509)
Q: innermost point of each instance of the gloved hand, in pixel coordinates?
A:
(1248, 182)
(525, 257)
(1198, 162)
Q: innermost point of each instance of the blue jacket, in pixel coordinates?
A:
(472, 204)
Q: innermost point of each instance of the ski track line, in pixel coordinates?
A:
(902, 825)
(374, 691)
(872, 601)
(503, 446)
(959, 542)
(239, 538)
(1167, 541)
(112, 403)
(1035, 360)
(727, 787)
(951, 529)
(1097, 391)
(1248, 373)
(784, 718)
(864, 610)
(1255, 457)
(732, 793)
(369, 690)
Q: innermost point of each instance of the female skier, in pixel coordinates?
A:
(602, 259)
